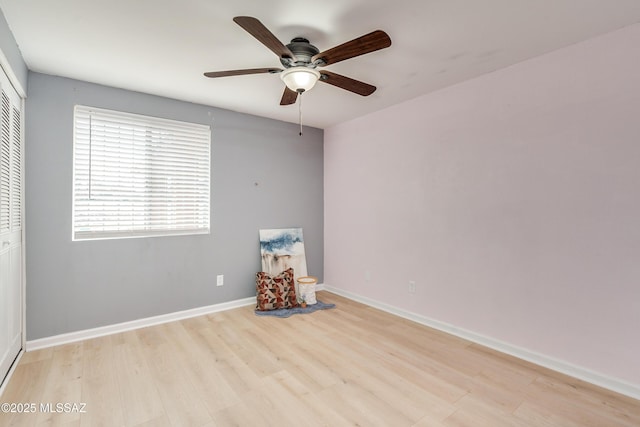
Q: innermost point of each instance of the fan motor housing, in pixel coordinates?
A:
(303, 50)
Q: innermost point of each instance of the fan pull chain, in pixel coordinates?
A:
(300, 112)
(90, 151)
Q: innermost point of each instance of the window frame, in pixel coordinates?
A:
(158, 141)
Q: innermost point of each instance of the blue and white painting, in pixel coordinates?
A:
(281, 249)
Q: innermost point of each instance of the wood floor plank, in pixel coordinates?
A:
(202, 370)
(138, 393)
(242, 414)
(101, 395)
(276, 395)
(407, 365)
(478, 410)
(312, 407)
(56, 392)
(353, 365)
(182, 402)
(301, 361)
(98, 357)
(357, 408)
(578, 405)
(535, 415)
(63, 384)
(27, 385)
(37, 355)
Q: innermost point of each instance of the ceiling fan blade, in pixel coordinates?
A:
(264, 36)
(288, 97)
(347, 83)
(368, 43)
(242, 72)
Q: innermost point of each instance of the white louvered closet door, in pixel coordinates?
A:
(10, 224)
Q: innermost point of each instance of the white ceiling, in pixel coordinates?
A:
(162, 47)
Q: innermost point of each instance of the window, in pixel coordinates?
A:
(138, 176)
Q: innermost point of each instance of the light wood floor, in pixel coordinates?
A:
(353, 365)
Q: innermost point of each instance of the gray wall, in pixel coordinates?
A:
(11, 51)
(73, 286)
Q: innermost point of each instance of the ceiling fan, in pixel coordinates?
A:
(301, 59)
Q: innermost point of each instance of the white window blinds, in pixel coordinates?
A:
(137, 176)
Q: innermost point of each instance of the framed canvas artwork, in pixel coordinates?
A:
(281, 249)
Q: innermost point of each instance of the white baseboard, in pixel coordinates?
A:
(578, 372)
(134, 324)
(140, 323)
(587, 375)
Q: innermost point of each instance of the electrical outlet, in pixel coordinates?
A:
(412, 287)
(220, 280)
(367, 275)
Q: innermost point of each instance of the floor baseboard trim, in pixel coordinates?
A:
(563, 367)
(134, 324)
(140, 323)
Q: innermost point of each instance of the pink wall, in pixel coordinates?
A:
(513, 201)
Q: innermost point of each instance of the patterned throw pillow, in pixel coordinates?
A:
(276, 292)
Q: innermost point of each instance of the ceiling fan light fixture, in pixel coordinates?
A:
(300, 79)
